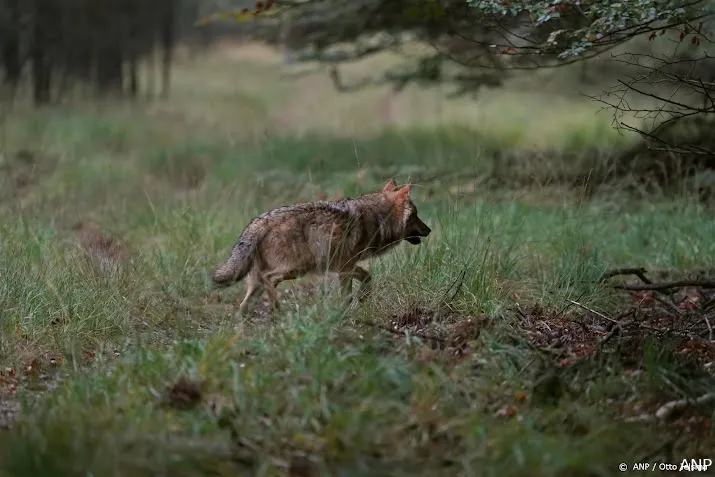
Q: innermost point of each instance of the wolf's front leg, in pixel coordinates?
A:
(365, 283)
(346, 287)
(346, 284)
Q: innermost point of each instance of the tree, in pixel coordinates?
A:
(668, 75)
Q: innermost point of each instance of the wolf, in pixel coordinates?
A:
(321, 237)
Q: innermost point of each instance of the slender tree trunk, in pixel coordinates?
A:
(109, 70)
(111, 49)
(168, 38)
(43, 37)
(11, 46)
(134, 76)
(135, 22)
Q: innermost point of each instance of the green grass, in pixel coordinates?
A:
(305, 388)
(468, 382)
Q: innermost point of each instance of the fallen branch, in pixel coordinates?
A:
(667, 285)
(667, 409)
(639, 272)
(648, 284)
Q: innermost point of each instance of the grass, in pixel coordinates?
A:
(470, 359)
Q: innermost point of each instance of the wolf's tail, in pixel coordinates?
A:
(241, 260)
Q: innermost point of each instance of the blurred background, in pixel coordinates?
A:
(519, 83)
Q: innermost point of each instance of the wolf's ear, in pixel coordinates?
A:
(404, 192)
(390, 186)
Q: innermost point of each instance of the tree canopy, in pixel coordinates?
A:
(580, 26)
(559, 29)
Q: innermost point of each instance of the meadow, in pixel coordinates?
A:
(502, 345)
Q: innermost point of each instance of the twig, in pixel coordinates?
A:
(682, 334)
(708, 303)
(519, 310)
(663, 99)
(613, 332)
(591, 310)
(710, 328)
(618, 326)
(624, 314)
(567, 305)
(672, 147)
(617, 323)
(459, 281)
(521, 371)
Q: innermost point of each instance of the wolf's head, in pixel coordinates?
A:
(411, 226)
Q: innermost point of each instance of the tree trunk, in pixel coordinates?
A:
(133, 77)
(112, 48)
(11, 45)
(109, 70)
(43, 37)
(168, 34)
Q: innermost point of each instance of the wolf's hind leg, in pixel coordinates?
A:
(346, 287)
(271, 281)
(346, 284)
(253, 288)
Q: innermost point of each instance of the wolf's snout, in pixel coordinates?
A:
(422, 229)
(416, 231)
